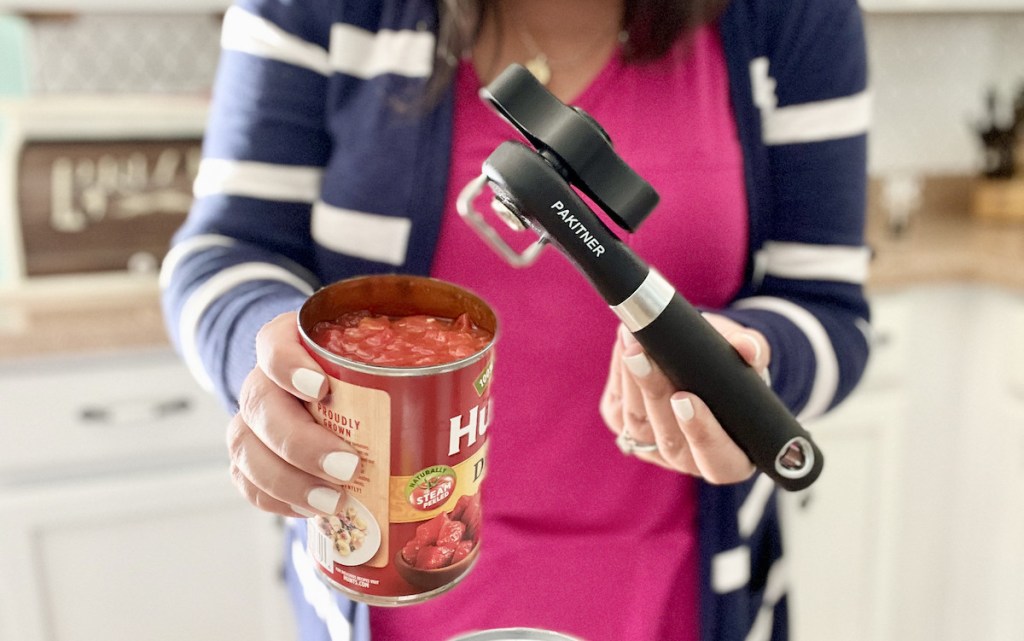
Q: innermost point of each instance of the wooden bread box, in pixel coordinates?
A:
(95, 185)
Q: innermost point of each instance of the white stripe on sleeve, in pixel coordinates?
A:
(185, 248)
(826, 375)
(248, 33)
(319, 596)
(830, 119)
(730, 570)
(774, 589)
(763, 85)
(840, 263)
(761, 628)
(384, 239)
(816, 121)
(750, 513)
(257, 180)
(365, 54)
(218, 285)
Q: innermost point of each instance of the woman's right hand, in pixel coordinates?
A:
(282, 460)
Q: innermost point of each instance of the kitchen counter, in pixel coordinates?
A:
(943, 242)
(65, 323)
(939, 246)
(946, 246)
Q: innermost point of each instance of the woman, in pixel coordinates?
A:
(341, 133)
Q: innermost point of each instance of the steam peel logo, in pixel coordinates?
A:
(430, 487)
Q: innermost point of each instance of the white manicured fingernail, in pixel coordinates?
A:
(627, 336)
(766, 376)
(303, 511)
(307, 382)
(683, 408)
(757, 345)
(341, 465)
(638, 364)
(323, 499)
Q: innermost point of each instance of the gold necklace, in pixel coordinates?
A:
(540, 65)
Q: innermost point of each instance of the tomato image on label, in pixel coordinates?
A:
(431, 487)
(447, 538)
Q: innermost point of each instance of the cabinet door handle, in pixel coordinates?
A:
(881, 338)
(134, 411)
(806, 499)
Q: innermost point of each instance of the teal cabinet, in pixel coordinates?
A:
(13, 50)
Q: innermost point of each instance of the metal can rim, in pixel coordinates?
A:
(515, 634)
(381, 370)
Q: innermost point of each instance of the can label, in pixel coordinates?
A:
(409, 527)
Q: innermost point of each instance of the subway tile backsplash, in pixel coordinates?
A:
(110, 53)
(929, 72)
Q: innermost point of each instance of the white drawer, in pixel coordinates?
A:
(69, 416)
(1013, 360)
(891, 320)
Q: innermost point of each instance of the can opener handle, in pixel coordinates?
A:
(535, 188)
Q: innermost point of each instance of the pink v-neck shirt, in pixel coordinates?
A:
(578, 538)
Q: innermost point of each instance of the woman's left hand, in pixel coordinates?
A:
(657, 423)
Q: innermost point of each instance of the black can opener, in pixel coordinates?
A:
(533, 188)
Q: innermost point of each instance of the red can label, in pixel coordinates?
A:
(410, 525)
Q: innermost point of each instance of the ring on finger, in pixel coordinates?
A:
(628, 445)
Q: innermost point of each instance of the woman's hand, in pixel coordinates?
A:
(281, 459)
(659, 424)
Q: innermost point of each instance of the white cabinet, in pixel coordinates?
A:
(162, 557)
(985, 592)
(834, 526)
(914, 529)
(839, 535)
(118, 519)
(77, 416)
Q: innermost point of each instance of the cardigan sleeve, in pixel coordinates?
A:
(809, 85)
(244, 253)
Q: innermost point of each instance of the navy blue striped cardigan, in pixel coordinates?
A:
(310, 175)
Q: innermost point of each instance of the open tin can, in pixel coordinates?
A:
(420, 433)
(515, 634)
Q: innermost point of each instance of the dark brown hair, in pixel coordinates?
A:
(653, 27)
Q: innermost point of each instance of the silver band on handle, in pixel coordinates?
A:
(645, 304)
